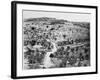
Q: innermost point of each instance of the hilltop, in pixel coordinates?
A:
(53, 21)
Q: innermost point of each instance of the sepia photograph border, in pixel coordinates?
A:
(14, 38)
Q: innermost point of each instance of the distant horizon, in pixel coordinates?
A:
(52, 18)
(72, 17)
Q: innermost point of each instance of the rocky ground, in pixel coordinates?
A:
(53, 43)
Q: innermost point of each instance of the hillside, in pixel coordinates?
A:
(55, 43)
(53, 21)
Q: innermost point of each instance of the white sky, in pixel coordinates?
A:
(77, 17)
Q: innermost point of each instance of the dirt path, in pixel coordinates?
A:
(47, 60)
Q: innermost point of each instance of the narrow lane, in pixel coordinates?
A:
(47, 60)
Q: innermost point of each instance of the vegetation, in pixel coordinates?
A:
(72, 43)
